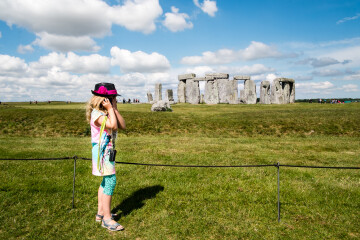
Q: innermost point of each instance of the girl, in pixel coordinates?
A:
(104, 119)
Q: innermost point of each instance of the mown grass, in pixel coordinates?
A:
(186, 203)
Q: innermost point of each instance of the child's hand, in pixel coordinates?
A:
(107, 104)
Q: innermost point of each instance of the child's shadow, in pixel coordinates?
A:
(136, 200)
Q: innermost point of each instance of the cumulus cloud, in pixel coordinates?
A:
(255, 69)
(12, 66)
(256, 50)
(71, 24)
(209, 7)
(138, 61)
(25, 49)
(315, 87)
(65, 43)
(176, 21)
(71, 62)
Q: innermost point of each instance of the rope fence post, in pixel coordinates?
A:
(278, 190)
(73, 197)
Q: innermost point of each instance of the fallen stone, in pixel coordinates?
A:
(161, 106)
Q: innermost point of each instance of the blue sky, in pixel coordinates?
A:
(58, 50)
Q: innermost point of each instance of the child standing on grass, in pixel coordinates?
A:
(104, 119)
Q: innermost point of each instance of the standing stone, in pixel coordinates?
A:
(149, 97)
(224, 90)
(158, 92)
(181, 91)
(192, 91)
(286, 92)
(250, 92)
(233, 96)
(292, 92)
(265, 92)
(211, 92)
(169, 96)
(276, 92)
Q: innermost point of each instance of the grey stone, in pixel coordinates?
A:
(218, 75)
(158, 92)
(286, 92)
(288, 80)
(161, 106)
(250, 92)
(224, 89)
(292, 93)
(265, 92)
(233, 97)
(277, 96)
(186, 76)
(242, 98)
(181, 91)
(241, 77)
(149, 97)
(211, 92)
(192, 92)
(169, 96)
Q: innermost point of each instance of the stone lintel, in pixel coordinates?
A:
(265, 83)
(203, 78)
(186, 76)
(289, 80)
(218, 75)
(241, 77)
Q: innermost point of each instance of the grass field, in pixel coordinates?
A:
(185, 203)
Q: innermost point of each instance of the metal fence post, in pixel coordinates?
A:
(73, 198)
(278, 190)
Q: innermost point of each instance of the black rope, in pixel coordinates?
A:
(37, 159)
(187, 166)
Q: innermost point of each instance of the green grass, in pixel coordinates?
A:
(185, 203)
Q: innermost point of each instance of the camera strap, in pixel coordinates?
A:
(101, 132)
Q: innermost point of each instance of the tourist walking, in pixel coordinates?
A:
(104, 119)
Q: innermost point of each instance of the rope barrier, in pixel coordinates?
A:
(277, 165)
(187, 166)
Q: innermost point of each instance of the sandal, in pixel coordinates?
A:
(111, 227)
(99, 218)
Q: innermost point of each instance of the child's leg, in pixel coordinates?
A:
(107, 187)
(100, 207)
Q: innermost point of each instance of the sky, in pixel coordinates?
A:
(58, 50)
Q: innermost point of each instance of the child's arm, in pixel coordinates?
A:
(111, 122)
(119, 118)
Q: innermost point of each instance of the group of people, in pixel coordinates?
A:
(135, 100)
(325, 101)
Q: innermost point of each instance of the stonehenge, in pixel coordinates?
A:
(219, 89)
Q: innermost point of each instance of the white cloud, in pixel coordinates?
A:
(65, 43)
(136, 15)
(71, 24)
(245, 70)
(138, 61)
(73, 63)
(315, 87)
(328, 72)
(25, 49)
(200, 71)
(256, 50)
(207, 6)
(12, 66)
(348, 19)
(176, 21)
(350, 88)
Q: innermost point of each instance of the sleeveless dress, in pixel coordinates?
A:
(106, 167)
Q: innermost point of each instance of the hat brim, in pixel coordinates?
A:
(104, 95)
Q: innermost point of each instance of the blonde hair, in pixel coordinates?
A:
(94, 103)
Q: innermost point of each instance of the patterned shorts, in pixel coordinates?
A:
(108, 184)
